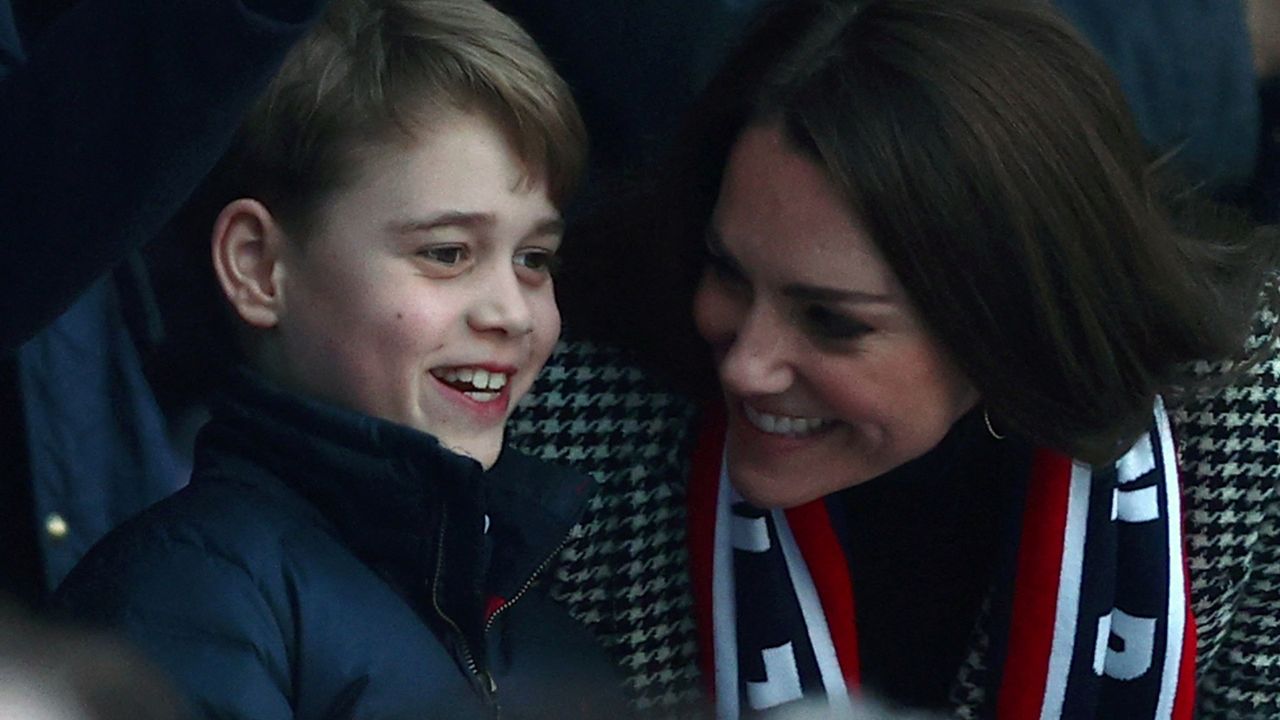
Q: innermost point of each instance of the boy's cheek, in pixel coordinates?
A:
(546, 324)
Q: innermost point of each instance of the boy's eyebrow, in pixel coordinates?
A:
(463, 219)
(551, 226)
(448, 218)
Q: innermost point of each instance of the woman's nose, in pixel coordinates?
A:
(758, 359)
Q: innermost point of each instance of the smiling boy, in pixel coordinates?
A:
(356, 541)
(423, 295)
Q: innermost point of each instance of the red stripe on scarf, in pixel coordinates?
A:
(704, 486)
(1184, 702)
(1035, 597)
(829, 569)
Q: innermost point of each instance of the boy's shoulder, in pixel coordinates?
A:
(223, 585)
(214, 537)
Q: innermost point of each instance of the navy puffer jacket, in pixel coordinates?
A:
(324, 564)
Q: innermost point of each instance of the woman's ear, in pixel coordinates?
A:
(247, 242)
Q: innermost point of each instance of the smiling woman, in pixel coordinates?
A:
(796, 301)
(945, 308)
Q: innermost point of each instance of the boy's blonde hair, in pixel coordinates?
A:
(377, 72)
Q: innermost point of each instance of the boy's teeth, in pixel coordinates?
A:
(480, 396)
(477, 378)
(783, 424)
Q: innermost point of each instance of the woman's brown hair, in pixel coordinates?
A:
(993, 159)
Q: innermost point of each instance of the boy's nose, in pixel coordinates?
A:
(502, 307)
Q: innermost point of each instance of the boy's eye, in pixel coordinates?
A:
(444, 254)
(537, 259)
(830, 324)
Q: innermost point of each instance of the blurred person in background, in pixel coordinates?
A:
(63, 672)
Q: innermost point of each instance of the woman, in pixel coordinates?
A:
(949, 306)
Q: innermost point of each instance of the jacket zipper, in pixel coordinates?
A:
(488, 625)
(489, 686)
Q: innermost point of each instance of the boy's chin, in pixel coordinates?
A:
(487, 460)
(483, 451)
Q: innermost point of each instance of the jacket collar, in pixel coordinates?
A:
(410, 508)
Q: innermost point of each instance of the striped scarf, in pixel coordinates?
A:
(1088, 619)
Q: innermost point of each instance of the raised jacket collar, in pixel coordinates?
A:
(408, 507)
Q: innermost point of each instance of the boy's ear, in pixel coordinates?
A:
(247, 242)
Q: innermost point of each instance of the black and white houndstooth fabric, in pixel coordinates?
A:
(624, 574)
(1230, 451)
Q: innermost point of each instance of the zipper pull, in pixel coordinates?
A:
(491, 692)
(489, 682)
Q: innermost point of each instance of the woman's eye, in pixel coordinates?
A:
(830, 324)
(718, 263)
(538, 260)
(723, 268)
(449, 255)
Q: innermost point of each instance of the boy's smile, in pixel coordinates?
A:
(424, 296)
(479, 384)
(481, 391)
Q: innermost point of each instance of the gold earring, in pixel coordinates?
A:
(986, 418)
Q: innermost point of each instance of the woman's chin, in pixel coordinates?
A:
(771, 493)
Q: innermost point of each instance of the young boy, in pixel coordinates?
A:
(355, 541)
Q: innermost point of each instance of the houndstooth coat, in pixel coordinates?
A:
(624, 574)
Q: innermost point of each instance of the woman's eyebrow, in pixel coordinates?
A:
(819, 293)
(805, 292)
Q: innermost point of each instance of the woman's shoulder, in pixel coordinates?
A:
(595, 409)
(1229, 437)
(1229, 456)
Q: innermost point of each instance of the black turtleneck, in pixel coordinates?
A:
(922, 542)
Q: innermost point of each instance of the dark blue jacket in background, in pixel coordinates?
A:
(108, 122)
(10, 42)
(325, 564)
(1186, 67)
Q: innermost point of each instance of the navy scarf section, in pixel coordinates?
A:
(1089, 618)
